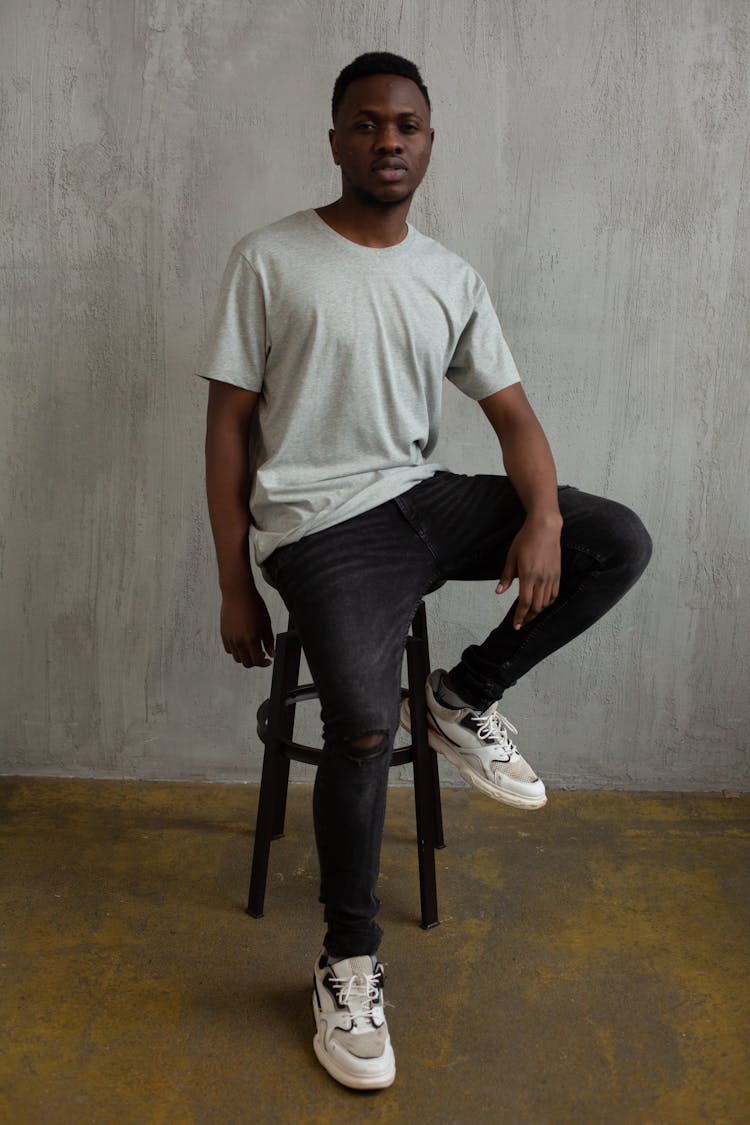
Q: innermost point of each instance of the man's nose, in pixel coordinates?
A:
(388, 139)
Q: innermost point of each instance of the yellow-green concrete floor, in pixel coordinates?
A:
(591, 965)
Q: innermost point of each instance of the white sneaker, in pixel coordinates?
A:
(351, 1039)
(479, 746)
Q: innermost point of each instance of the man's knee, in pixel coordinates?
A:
(363, 748)
(367, 741)
(636, 545)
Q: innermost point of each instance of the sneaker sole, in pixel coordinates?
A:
(354, 1081)
(438, 743)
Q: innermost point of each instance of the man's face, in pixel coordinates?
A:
(382, 138)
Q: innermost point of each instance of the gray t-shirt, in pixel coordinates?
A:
(348, 346)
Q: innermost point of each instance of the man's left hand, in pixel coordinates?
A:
(534, 559)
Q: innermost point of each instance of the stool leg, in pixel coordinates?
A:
(269, 783)
(282, 788)
(273, 782)
(419, 629)
(285, 729)
(423, 796)
(439, 837)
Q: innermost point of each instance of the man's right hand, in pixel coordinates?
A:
(245, 625)
(246, 628)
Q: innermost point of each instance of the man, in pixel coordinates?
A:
(335, 329)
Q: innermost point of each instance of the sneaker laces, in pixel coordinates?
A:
(494, 727)
(357, 992)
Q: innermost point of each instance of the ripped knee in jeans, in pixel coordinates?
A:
(366, 747)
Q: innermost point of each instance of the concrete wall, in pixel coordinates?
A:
(591, 161)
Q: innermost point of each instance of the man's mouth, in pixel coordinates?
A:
(390, 174)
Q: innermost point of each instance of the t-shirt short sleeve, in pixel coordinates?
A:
(482, 362)
(235, 349)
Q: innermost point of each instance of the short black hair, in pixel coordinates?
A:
(375, 62)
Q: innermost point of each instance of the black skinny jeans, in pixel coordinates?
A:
(353, 590)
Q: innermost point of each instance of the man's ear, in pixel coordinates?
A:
(332, 142)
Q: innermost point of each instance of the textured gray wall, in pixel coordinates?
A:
(591, 160)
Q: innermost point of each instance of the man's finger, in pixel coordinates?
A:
(242, 654)
(523, 606)
(540, 599)
(509, 572)
(260, 660)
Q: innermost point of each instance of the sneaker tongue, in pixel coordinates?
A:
(354, 966)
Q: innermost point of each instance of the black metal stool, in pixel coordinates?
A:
(276, 730)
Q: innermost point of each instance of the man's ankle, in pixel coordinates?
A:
(447, 696)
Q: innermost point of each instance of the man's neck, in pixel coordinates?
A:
(374, 227)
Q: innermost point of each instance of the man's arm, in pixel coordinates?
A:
(534, 555)
(245, 625)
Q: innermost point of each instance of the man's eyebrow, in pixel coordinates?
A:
(365, 111)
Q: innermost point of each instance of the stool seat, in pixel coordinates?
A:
(275, 725)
